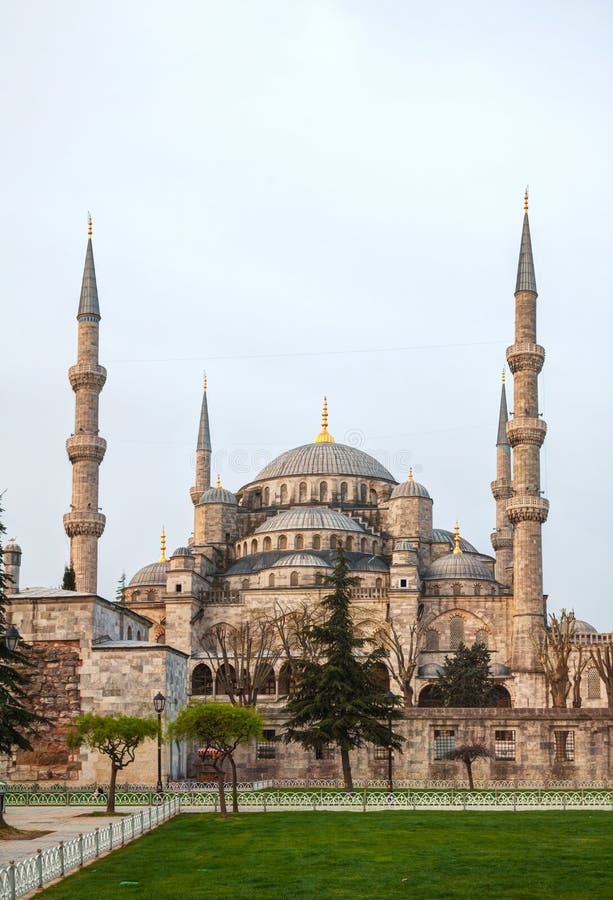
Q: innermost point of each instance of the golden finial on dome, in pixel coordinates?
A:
(324, 437)
(456, 540)
(410, 478)
(162, 558)
(218, 483)
(526, 199)
(89, 225)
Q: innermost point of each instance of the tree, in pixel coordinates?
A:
(466, 679)
(121, 588)
(468, 753)
(220, 728)
(115, 736)
(293, 628)
(337, 699)
(554, 644)
(248, 653)
(69, 581)
(401, 656)
(602, 657)
(17, 720)
(581, 662)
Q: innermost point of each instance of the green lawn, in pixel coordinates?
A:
(380, 854)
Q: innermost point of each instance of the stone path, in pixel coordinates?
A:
(62, 822)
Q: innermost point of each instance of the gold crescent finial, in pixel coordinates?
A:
(324, 437)
(89, 225)
(218, 483)
(410, 478)
(162, 558)
(503, 376)
(526, 199)
(456, 540)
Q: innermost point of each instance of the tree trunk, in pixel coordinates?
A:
(469, 772)
(110, 804)
(223, 809)
(234, 784)
(347, 779)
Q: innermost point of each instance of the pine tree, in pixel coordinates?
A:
(121, 587)
(467, 679)
(69, 581)
(337, 700)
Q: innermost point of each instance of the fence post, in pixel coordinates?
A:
(123, 832)
(12, 879)
(80, 848)
(110, 835)
(39, 867)
(364, 800)
(61, 849)
(97, 841)
(264, 796)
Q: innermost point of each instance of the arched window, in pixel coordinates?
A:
(298, 542)
(363, 545)
(138, 636)
(283, 494)
(332, 542)
(456, 632)
(151, 596)
(501, 697)
(135, 595)
(285, 679)
(435, 590)
(266, 496)
(245, 549)
(380, 677)
(477, 590)
(375, 547)
(373, 496)
(271, 579)
(302, 492)
(129, 632)
(265, 679)
(593, 684)
(238, 551)
(349, 543)
(343, 491)
(282, 542)
(379, 583)
(202, 680)
(482, 637)
(323, 492)
(316, 542)
(254, 546)
(432, 640)
(293, 579)
(267, 543)
(431, 696)
(245, 584)
(226, 679)
(457, 588)
(363, 490)
(319, 578)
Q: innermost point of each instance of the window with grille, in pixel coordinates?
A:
(593, 684)
(456, 632)
(504, 745)
(381, 753)
(564, 742)
(444, 742)
(266, 749)
(325, 752)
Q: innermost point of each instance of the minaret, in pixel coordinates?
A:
(502, 489)
(203, 453)
(526, 509)
(84, 524)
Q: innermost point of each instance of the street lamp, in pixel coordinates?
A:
(390, 702)
(159, 702)
(11, 638)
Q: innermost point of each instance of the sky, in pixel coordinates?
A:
(305, 198)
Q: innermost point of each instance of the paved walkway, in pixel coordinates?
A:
(62, 823)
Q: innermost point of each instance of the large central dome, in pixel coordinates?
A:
(325, 459)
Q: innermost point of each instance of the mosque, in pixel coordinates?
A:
(262, 553)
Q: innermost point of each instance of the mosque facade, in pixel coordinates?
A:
(260, 555)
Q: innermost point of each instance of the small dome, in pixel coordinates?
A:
(154, 573)
(461, 565)
(12, 547)
(410, 488)
(218, 495)
(302, 559)
(441, 536)
(183, 551)
(310, 518)
(582, 627)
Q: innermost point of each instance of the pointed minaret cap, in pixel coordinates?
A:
(204, 431)
(162, 558)
(88, 302)
(324, 437)
(456, 540)
(503, 417)
(526, 279)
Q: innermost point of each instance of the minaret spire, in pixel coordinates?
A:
(527, 510)
(203, 450)
(324, 436)
(502, 489)
(84, 524)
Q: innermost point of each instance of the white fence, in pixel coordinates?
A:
(19, 878)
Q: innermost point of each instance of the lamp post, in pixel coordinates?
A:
(159, 702)
(390, 701)
(11, 638)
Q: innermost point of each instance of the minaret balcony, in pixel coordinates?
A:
(502, 539)
(84, 522)
(526, 430)
(502, 488)
(527, 509)
(85, 446)
(87, 375)
(525, 356)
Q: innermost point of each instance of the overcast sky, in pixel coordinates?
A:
(305, 198)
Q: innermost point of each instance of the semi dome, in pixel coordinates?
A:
(218, 495)
(582, 627)
(154, 573)
(310, 519)
(441, 536)
(325, 459)
(302, 559)
(268, 559)
(460, 565)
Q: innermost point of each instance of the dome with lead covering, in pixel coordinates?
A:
(183, 551)
(154, 573)
(410, 488)
(218, 495)
(460, 565)
(442, 536)
(310, 519)
(303, 559)
(582, 627)
(325, 459)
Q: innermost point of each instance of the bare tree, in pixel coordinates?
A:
(581, 662)
(294, 634)
(400, 653)
(602, 657)
(554, 644)
(244, 657)
(468, 753)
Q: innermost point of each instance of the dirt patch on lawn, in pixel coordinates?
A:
(16, 834)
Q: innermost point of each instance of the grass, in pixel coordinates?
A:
(365, 855)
